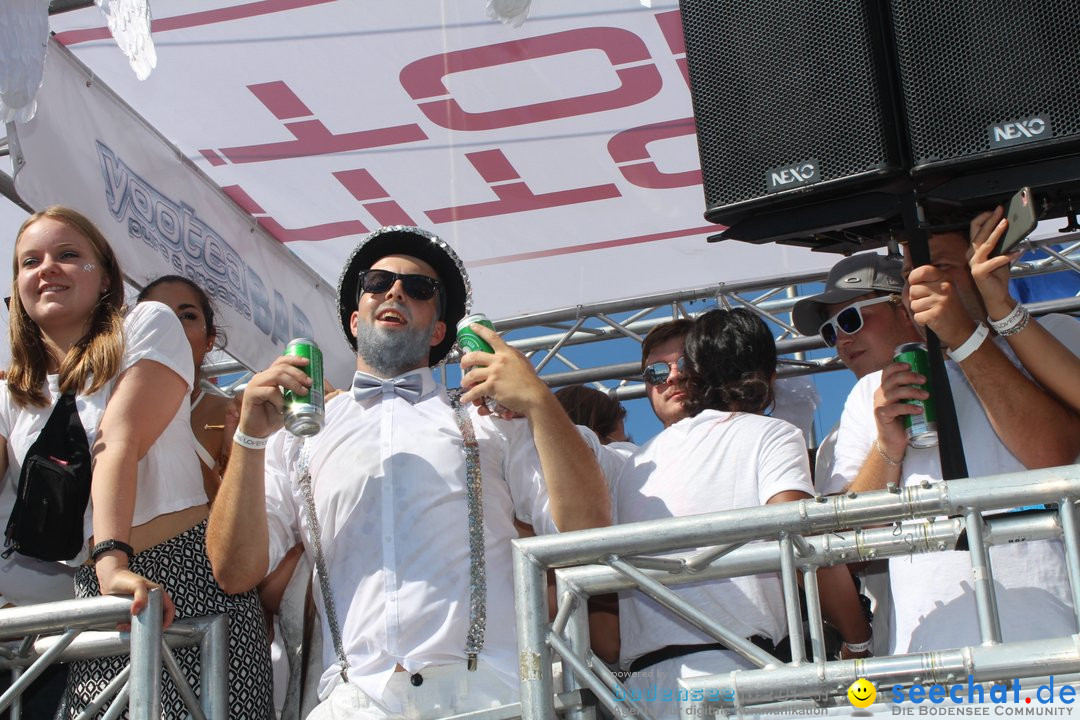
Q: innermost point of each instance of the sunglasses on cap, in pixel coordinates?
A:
(850, 319)
(659, 372)
(418, 287)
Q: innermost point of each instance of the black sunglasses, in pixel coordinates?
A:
(850, 319)
(418, 287)
(659, 372)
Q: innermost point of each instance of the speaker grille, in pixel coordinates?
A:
(967, 65)
(779, 82)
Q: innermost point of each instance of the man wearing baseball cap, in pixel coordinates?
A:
(861, 315)
(408, 519)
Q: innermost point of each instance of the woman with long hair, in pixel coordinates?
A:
(213, 416)
(725, 455)
(146, 521)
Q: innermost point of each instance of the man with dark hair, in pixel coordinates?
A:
(660, 353)
(406, 498)
(1008, 423)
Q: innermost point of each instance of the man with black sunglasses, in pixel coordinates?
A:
(410, 520)
(661, 351)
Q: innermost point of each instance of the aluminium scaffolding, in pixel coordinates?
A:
(791, 538)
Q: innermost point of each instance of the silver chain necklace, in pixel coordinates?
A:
(474, 638)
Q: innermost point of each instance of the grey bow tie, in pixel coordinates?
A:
(367, 386)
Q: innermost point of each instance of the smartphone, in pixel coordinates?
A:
(1021, 216)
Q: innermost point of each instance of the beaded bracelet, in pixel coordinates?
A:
(251, 443)
(1012, 323)
(970, 345)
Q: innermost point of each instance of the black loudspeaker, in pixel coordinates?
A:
(987, 83)
(795, 113)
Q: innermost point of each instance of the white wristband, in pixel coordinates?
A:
(251, 443)
(970, 345)
(860, 647)
(1012, 323)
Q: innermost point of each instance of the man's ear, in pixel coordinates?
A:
(438, 334)
(352, 321)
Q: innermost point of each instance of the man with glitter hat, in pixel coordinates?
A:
(407, 518)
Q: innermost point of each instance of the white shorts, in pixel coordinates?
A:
(446, 690)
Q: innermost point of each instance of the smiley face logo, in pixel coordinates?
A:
(861, 694)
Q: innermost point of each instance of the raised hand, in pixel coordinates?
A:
(991, 274)
(263, 404)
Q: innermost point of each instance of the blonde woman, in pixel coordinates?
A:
(145, 524)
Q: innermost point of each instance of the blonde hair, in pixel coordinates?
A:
(96, 357)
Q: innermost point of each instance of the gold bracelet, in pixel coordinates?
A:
(884, 455)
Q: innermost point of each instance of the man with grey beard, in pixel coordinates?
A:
(406, 515)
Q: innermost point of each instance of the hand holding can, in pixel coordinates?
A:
(471, 342)
(921, 429)
(304, 414)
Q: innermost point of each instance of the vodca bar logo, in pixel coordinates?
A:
(1020, 131)
(792, 176)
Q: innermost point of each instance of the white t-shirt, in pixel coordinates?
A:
(713, 461)
(389, 482)
(933, 600)
(169, 478)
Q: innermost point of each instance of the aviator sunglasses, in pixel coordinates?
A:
(418, 287)
(850, 319)
(659, 372)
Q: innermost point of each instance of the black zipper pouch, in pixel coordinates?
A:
(54, 488)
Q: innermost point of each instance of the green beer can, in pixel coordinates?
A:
(921, 429)
(304, 413)
(470, 341)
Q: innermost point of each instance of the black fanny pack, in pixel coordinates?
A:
(54, 489)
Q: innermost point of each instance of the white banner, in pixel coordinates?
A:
(559, 158)
(84, 149)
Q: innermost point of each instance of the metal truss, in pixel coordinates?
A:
(562, 342)
(791, 539)
(71, 630)
(630, 320)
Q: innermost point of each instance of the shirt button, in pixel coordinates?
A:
(417, 679)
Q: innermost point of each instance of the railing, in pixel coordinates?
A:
(82, 629)
(602, 561)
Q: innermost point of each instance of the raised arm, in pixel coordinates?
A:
(237, 537)
(1018, 409)
(1048, 360)
(575, 484)
(145, 399)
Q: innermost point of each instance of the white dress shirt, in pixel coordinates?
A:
(389, 487)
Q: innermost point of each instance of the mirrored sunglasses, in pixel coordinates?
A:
(418, 287)
(850, 319)
(659, 372)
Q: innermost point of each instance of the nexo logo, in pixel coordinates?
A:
(792, 176)
(1020, 131)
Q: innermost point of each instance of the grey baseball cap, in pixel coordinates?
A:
(851, 277)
